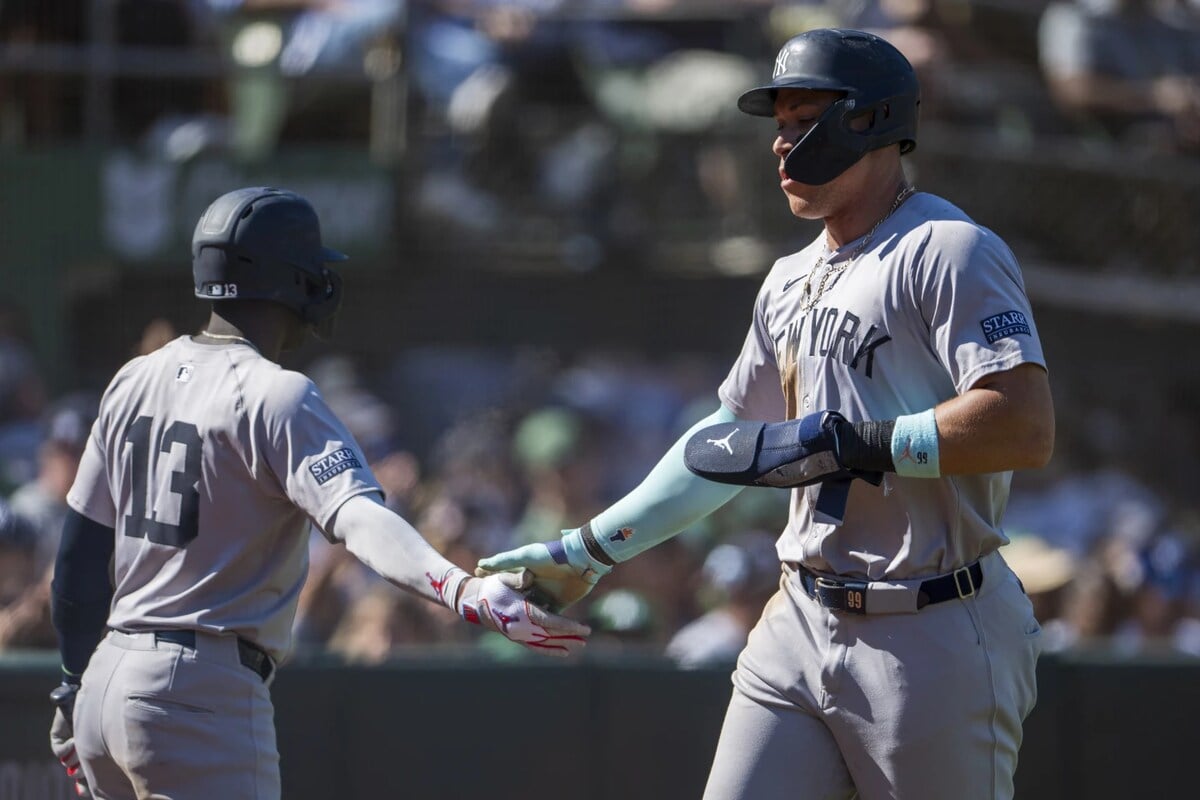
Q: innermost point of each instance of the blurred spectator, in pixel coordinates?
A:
(42, 502)
(24, 590)
(302, 69)
(40, 107)
(1045, 572)
(1123, 70)
(18, 553)
(622, 619)
(738, 576)
(157, 333)
(1162, 574)
(367, 417)
(383, 619)
(555, 448)
(22, 402)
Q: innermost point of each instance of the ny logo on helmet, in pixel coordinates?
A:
(780, 63)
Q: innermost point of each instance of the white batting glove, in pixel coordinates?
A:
(497, 602)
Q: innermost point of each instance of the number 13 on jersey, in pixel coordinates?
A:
(146, 461)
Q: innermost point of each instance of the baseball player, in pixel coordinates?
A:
(204, 470)
(893, 374)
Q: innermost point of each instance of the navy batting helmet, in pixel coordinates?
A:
(265, 244)
(877, 82)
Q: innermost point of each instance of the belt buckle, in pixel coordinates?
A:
(959, 575)
(842, 595)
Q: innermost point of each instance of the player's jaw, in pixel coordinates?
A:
(804, 201)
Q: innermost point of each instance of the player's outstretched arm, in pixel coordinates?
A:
(668, 500)
(386, 543)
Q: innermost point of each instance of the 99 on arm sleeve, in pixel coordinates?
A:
(669, 499)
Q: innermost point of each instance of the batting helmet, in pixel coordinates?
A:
(265, 244)
(877, 82)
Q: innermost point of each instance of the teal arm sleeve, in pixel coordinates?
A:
(668, 500)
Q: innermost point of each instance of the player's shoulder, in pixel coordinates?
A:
(136, 368)
(940, 228)
(284, 392)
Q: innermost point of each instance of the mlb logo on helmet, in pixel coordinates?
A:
(221, 290)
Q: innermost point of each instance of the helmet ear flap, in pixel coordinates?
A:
(324, 299)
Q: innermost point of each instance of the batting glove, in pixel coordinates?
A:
(498, 602)
(62, 735)
(563, 571)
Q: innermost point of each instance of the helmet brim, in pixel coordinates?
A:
(760, 101)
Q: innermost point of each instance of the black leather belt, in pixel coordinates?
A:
(852, 596)
(251, 656)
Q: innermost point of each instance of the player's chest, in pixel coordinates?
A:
(850, 321)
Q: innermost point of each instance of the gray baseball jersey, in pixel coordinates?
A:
(933, 304)
(210, 461)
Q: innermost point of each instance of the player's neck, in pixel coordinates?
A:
(858, 217)
(266, 336)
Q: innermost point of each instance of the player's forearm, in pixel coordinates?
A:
(1004, 422)
(666, 502)
(385, 542)
(81, 591)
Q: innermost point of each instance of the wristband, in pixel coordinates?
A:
(577, 554)
(915, 446)
(448, 587)
(593, 547)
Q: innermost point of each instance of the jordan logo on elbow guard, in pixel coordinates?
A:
(724, 442)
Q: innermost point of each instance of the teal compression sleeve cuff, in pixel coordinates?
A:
(669, 499)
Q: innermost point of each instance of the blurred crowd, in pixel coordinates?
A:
(1116, 66)
(483, 450)
(507, 112)
(518, 116)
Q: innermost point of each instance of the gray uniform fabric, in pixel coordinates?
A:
(907, 703)
(211, 463)
(926, 705)
(902, 329)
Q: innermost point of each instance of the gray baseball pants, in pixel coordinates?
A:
(919, 706)
(156, 720)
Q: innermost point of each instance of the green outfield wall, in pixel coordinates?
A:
(615, 729)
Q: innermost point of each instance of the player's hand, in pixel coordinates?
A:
(562, 570)
(62, 735)
(798, 452)
(498, 602)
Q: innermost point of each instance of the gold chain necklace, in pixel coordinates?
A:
(807, 298)
(228, 338)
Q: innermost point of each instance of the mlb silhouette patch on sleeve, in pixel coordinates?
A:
(1000, 326)
(337, 462)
